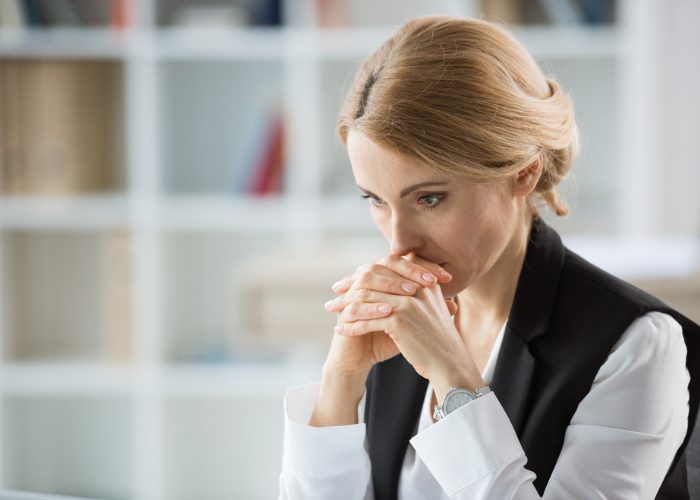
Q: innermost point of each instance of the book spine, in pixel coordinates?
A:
(11, 168)
(270, 159)
(122, 15)
(117, 297)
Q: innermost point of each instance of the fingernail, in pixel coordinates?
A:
(385, 308)
(338, 329)
(327, 305)
(408, 287)
(445, 273)
(336, 285)
(429, 277)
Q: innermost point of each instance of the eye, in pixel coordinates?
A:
(432, 200)
(373, 200)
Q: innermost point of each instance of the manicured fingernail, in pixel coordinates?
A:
(336, 285)
(328, 304)
(385, 308)
(429, 277)
(445, 273)
(338, 329)
(408, 287)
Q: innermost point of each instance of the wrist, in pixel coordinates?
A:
(338, 400)
(442, 382)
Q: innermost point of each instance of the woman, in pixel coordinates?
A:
(513, 367)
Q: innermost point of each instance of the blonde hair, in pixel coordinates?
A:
(464, 97)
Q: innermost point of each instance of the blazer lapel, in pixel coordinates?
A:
(396, 394)
(529, 319)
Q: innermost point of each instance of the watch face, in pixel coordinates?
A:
(456, 399)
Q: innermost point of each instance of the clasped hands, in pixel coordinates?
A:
(396, 305)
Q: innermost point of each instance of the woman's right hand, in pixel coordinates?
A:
(352, 357)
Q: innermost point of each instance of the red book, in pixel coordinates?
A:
(268, 171)
(122, 13)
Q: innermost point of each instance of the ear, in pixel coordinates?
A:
(526, 180)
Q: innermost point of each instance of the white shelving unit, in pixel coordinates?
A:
(162, 425)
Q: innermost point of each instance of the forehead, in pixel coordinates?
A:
(373, 164)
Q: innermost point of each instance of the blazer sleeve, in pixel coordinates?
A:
(619, 443)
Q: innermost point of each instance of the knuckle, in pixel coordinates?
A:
(359, 326)
(354, 308)
(374, 267)
(389, 285)
(364, 293)
(365, 275)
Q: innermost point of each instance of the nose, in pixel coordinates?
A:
(404, 237)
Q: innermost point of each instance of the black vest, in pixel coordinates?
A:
(566, 316)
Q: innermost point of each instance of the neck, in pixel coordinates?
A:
(489, 300)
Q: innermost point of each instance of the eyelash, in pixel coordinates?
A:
(439, 196)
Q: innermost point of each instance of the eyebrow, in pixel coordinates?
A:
(409, 189)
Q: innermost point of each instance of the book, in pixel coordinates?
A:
(10, 119)
(122, 15)
(267, 175)
(58, 13)
(11, 14)
(59, 127)
(116, 288)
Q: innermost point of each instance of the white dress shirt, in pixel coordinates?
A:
(619, 443)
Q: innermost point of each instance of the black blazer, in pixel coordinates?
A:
(566, 316)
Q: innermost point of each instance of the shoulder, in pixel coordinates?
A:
(605, 286)
(656, 332)
(652, 347)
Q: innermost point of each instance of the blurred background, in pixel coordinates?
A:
(174, 207)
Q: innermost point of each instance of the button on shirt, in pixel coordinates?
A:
(619, 443)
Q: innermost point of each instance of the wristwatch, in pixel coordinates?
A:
(457, 397)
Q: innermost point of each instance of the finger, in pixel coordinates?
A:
(362, 327)
(361, 310)
(362, 295)
(451, 306)
(432, 267)
(382, 279)
(343, 284)
(411, 270)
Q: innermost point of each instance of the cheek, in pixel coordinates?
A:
(383, 223)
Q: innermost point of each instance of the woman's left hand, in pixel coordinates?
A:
(420, 325)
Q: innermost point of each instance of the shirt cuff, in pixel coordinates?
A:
(471, 442)
(319, 451)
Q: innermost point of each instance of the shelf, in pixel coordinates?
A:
(572, 42)
(627, 258)
(277, 44)
(72, 43)
(248, 380)
(347, 213)
(51, 378)
(249, 44)
(93, 212)
(221, 213)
